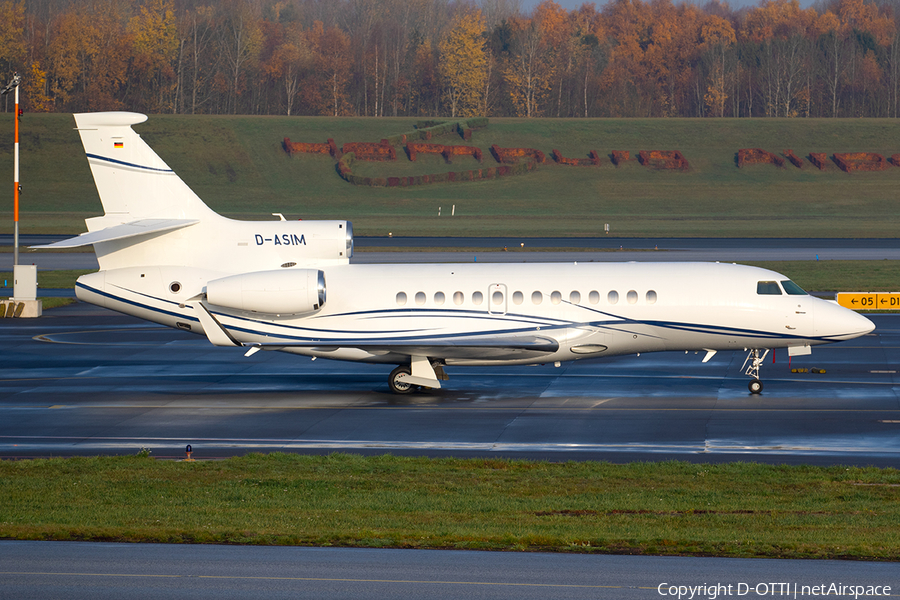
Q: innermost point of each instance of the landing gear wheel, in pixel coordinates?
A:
(755, 386)
(396, 380)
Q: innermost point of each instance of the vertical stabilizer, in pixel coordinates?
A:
(133, 182)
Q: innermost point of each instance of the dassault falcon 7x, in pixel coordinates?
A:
(289, 286)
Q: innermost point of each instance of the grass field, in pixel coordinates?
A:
(237, 165)
(739, 509)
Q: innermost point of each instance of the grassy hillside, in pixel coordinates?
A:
(237, 165)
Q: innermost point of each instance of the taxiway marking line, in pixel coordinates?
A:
(329, 579)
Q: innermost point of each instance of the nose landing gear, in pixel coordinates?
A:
(755, 362)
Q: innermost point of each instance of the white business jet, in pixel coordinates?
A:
(289, 286)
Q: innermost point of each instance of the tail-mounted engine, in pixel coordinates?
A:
(287, 292)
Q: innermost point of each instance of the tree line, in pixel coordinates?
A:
(454, 58)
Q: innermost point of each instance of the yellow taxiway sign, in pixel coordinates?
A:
(870, 300)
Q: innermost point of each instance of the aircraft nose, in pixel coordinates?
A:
(836, 323)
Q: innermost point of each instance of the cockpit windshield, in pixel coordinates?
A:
(793, 289)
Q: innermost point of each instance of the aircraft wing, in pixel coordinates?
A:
(502, 347)
(118, 232)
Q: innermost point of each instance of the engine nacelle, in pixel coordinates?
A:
(287, 292)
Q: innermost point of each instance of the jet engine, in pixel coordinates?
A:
(287, 292)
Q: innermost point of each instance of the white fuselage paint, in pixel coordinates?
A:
(659, 306)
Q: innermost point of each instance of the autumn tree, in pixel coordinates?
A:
(12, 38)
(88, 58)
(780, 31)
(396, 57)
(833, 49)
(590, 55)
(239, 42)
(717, 37)
(34, 86)
(425, 88)
(333, 60)
(197, 33)
(463, 65)
(870, 30)
(291, 61)
(155, 46)
(532, 67)
(630, 90)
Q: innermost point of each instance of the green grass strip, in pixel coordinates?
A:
(668, 508)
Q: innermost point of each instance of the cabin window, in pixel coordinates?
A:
(631, 296)
(651, 297)
(594, 297)
(555, 297)
(477, 298)
(612, 297)
(401, 298)
(518, 297)
(439, 298)
(497, 298)
(537, 297)
(458, 298)
(420, 298)
(793, 289)
(575, 297)
(768, 288)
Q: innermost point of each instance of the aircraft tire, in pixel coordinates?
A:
(396, 383)
(755, 386)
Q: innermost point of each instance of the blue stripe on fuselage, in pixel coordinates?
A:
(137, 304)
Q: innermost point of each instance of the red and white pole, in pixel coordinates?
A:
(16, 183)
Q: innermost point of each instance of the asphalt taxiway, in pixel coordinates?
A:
(99, 571)
(83, 380)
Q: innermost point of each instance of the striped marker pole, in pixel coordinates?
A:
(16, 183)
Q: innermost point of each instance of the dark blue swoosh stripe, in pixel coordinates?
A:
(128, 164)
(138, 304)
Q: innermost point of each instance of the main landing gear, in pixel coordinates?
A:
(754, 358)
(397, 380)
(420, 373)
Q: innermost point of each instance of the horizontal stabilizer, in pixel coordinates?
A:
(118, 232)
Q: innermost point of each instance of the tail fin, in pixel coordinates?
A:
(152, 218)
(133, 182)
